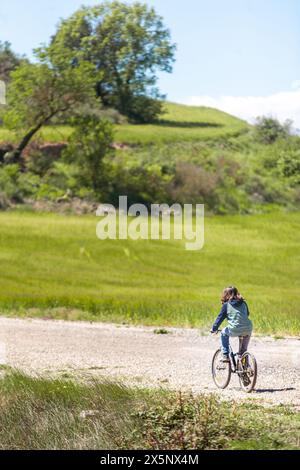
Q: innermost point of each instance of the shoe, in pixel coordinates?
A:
(225, 358)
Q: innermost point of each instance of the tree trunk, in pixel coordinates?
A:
(15, 155)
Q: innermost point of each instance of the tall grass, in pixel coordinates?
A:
(40, 413)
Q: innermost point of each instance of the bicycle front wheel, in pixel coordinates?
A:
(221, 371)
(247, 372)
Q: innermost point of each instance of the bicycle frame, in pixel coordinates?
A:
(232, 357)
(233, 361)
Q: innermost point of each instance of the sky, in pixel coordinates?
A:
(241, 56)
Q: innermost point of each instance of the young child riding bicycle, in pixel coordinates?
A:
(236, 311)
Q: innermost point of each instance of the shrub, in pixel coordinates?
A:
(268, 129)
(5, 148)
(16, 186)
(64, 176)
(192, 184)
(289, 165)
(143, 109)
(141, 184)
(41, 157)
(90, 142)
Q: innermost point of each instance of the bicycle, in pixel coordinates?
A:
(245, 366)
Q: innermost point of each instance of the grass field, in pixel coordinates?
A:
(54, 266)
(40, 413)
(179, 123)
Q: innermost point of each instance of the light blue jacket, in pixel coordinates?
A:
(236, 312)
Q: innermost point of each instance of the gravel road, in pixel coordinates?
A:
(136, 355)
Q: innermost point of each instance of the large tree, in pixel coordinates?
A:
(38, 93)
(127, 45)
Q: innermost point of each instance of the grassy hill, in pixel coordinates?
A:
(182, 123)
(178, 123)
(192, 154)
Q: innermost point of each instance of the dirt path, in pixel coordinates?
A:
(180, 359)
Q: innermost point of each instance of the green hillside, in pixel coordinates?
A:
(192, 154)
(182, 123)
(178, 123)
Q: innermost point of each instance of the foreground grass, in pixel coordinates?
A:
(39, 413)
(179, 123)
(54, 266)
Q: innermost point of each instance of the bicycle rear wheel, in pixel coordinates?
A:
(247, 372)
(221, 371)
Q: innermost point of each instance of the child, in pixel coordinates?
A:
(236, 311)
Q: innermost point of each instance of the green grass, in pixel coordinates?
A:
(182, 123)
(40, 413)
(179, 123)
(54, 266)
(47, 134)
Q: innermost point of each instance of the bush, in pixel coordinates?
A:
(141, 184)
(5, 148)
(16, 186)
(40, 157)
(268, 129)
(90, 142)
(64, 176)
(218, 184)
(192, 184)
(289, 165)
(182, 421)
(143, 109)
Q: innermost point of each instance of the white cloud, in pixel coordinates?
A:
(283, 105)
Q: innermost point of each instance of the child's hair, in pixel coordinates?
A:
(230, 293)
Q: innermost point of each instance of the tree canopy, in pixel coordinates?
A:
(38, 93)
(9, 61)
(127, 45)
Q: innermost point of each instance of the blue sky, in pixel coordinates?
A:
(239, 55)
